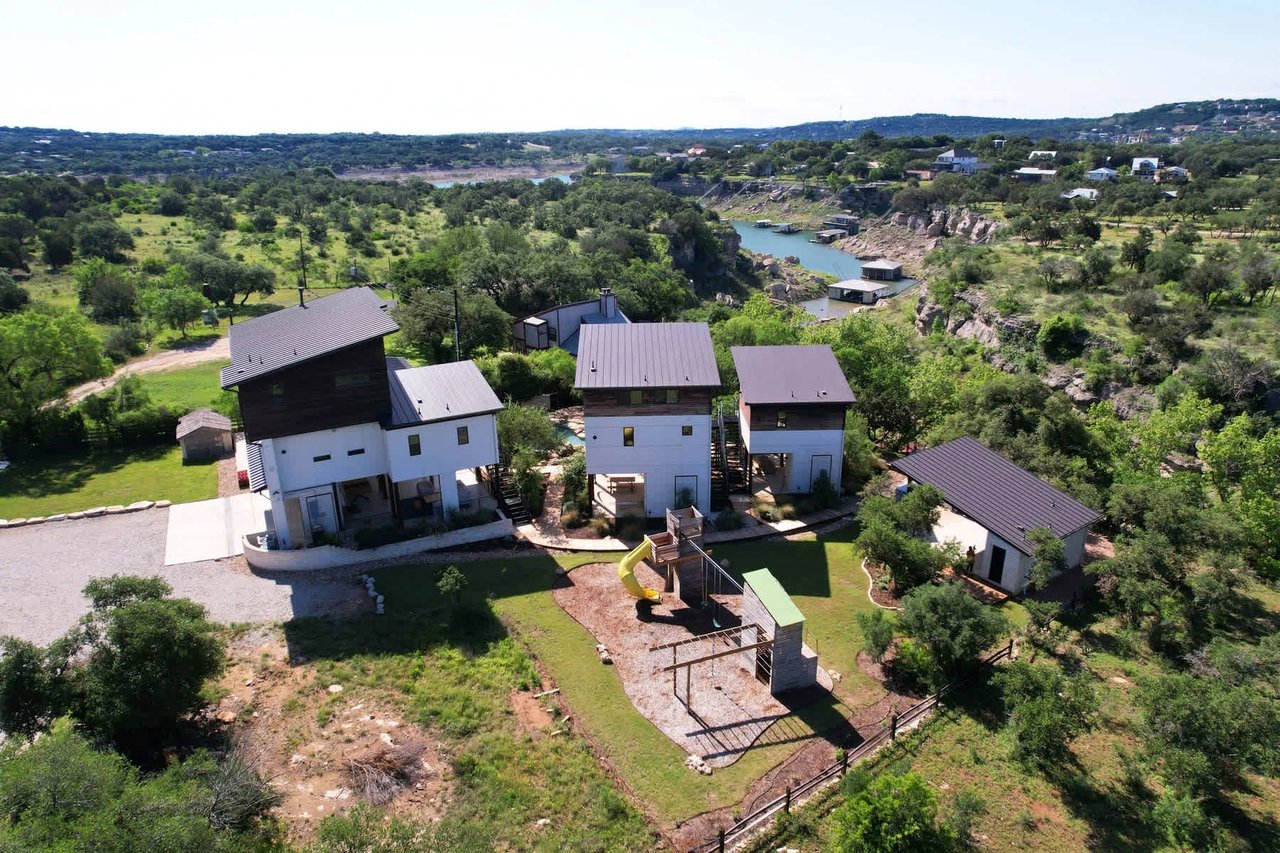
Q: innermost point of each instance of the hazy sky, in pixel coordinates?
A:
(231, 66)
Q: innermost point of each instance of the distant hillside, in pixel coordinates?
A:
(44, 150)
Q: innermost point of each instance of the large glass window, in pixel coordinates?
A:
(628, 436)
(463, 436)
(415, 445)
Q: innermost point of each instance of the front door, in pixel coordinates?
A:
(995, 571)
(321, 517)
(819, 465)
(686, 491)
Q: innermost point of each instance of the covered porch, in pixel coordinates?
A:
(618, 495)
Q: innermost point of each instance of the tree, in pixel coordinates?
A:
(877, 633)
(146, 658)
(892, 814)
(1095, 268)
(12, 297)
(525, 428)
(1259, 273)
(1046, 710)
(29, 691)
(1049, 554)
(1134, 252)
(103, 238)
(175, 307)
(42, 353)
(953, 625)
(59, 246)
(451, 583)
(1061, 337)
(1207, 279)
(918, 510)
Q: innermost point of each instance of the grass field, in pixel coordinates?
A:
(59, 484)
(184, 388)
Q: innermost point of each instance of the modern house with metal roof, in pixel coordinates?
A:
(791, 413)
(558, 326)
(646, 391)
(1004, 504)
(343, 437)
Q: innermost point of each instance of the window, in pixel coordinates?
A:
(277, 394)
(673, 395)
(782, 420)
(325, 458)
(351, 379)
(628, 436)
(463, 437)
(637, 397)
(686, 430)
(359, 451)
(415, 445)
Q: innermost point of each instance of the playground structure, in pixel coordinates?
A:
(724, 650)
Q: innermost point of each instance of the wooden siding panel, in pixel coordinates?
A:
(312, 399)
(764, 418)
(604, 404)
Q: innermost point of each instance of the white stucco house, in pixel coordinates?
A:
(956, 160)
(1102, 173)
(998, 504)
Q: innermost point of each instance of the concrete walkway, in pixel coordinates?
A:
(213, 529)
(561, 542)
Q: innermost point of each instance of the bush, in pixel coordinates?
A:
(891, 814)
(574, 476)
(877, 633)
(601, 526)
(1061, 337)
(1045, 710)
(727, 519)
(913, 667)
(125, 341)
(569, 516)
(530, 482)
(630, 527)
(955, 626)
(526, 428)
(824, 493)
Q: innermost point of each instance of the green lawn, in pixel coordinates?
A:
(184, 388)
(58, 484)
(647, 761)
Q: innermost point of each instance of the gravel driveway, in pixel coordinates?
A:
(43, 569)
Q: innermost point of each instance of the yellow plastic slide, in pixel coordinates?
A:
(627, 573)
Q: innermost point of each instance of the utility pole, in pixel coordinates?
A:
(457, 343)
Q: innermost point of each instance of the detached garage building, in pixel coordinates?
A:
(204, 434)
(1005, 503)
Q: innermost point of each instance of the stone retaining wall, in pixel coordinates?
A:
(93, 512)
(332, 556)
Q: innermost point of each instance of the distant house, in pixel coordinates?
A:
(1172, 175)
(921, 174)
(791, 412)
(1145, 167)
(1033, 175)
(559, 326)
(998, 504)
(1103, 173)
(342, 437)
(956, 160)
(853, 290)
(829, 235)
(847, 221)
(204, 434)
(1042, 155)
(646, 397)
(882, 269)
(998, 144)
(1081, 192)
(697, 151)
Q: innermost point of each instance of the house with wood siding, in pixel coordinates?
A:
(646, 392)
(342, 437)
(1004, 503)
(791, 413)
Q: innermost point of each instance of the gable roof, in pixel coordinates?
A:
(440, 392)
(959, 154)
(1007, 500)
(201, 418)
(773, 597)
(882, 264)
(646, 355)
(284, 338)
(790, 375)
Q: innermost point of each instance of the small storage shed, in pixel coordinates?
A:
(788, 664)
(204, 434)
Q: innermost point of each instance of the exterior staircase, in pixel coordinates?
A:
(509, 497)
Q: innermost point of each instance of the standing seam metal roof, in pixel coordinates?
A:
(284, 338)
(1007, 500)
(440, 392)
(790, 375)
(646, 355)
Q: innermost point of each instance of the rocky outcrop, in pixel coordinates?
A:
(972, 317)
(785, 280)
(909, 237)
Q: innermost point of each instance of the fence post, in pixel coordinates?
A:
(893, 726)
(786, 807)
(721, 839)
(844, 762)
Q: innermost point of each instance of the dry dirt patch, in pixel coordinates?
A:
(321, 748)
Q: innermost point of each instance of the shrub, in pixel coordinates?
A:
(877, 633)
(891, 814)
(727, 519)
(569, 516)
(824, 493)
(1061, 337)
(574, 476)
(530, 482)
(630, 527)
(1045, 710)
(913, 666)
(954, 625)
(125, 341)
(601, 526)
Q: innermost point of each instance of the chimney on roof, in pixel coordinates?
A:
(608, 303)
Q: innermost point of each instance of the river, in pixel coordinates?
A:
(813, 256)
(444, 185)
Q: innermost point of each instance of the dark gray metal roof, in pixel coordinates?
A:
(1007, 500)
(646, 355)
(282, 339)
(440, 392)
(790, 375)
(201, 418)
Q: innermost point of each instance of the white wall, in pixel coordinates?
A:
(293, 459)
(1016, 564)
(660, 453)
(441, 453)
(803, 445)
(1073, 546)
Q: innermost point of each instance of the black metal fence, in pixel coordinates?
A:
(797, 794)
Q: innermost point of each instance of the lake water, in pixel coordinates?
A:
(444, 185)
(813, 256)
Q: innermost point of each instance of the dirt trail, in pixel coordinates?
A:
(217, 350)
